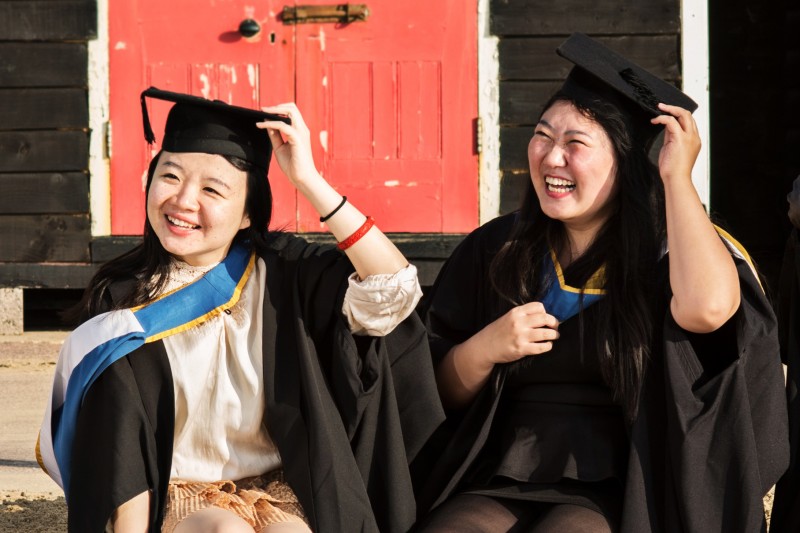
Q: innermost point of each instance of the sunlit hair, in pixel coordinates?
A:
(628, 245)
(146, 266)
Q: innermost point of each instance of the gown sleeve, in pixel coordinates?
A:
(358, 408)
(123, 440)
(727, 441)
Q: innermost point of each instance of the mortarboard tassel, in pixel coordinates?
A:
(149, 136)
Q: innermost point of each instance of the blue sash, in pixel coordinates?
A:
(563, 301)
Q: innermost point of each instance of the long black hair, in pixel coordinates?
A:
(627, 246)
(147, 265)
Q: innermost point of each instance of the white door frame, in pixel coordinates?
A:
(488, 117)
(99, 127)
(694, 58)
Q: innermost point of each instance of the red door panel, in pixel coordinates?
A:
(390, 101)
(394, 99)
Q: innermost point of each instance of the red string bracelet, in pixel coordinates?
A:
(356, 236)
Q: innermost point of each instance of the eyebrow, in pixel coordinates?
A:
(568, 132)
(209, 178)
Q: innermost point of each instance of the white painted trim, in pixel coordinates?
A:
(694, 56)
(99, 175)
(489, 113)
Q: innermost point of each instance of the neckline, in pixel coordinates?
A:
(594, 285)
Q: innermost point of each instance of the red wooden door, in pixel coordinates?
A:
(390, 101)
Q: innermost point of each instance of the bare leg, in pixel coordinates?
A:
(213, 520)
(133, 515)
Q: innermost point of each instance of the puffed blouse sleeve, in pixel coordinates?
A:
(375, 305)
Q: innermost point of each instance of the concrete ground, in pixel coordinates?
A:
(29, 500)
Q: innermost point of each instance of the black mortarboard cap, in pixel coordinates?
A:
(196, 124)
(599, 71)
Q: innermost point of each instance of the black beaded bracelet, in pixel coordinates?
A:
(329, 215)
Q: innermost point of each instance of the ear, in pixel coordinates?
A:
(245, 221)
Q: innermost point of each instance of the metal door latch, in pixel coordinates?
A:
(341, 13)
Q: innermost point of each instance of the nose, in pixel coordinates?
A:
(186, 197)
(555, 156)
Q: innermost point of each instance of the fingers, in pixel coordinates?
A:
(676, 117)
(280, 132)
(538, 314)
(273, 131)
(290, 110)
(538, 341)
(532, 330)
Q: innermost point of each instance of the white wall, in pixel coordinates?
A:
(694, 52)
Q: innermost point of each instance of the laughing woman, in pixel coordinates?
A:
(229, 378)
(607, 355)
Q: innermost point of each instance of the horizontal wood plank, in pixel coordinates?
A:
(38, 151)
(46, 275)
(43, 65)
(522, 102)
(427, 251)
(107, 248)
(38, 109)
(44, 238)
(412, 245)
(78, 275)
(512, 189)
(48, 20)
(49, 193)
(514, 148)
(606, 17)
(526, 58)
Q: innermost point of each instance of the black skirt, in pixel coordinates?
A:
(558, 437)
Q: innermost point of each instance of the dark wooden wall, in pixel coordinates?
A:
(44, 145)
(755, 122)
(530, 71)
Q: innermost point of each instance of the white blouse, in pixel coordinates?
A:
(220, 423)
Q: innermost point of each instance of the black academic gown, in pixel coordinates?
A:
(786, 510)
(347, 413)
(710, 437)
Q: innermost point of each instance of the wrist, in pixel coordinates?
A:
(477, 353)
(307, 181)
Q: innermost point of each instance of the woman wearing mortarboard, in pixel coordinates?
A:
(230, 378)
(607, 355)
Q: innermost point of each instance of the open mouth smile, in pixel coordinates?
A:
(559, 185)
(180, 223)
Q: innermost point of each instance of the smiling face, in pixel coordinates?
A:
(196, 205)
(573, 168)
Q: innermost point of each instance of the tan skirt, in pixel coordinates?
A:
(260, 500)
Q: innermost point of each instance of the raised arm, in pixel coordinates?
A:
(702, 274)
(371, 254)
